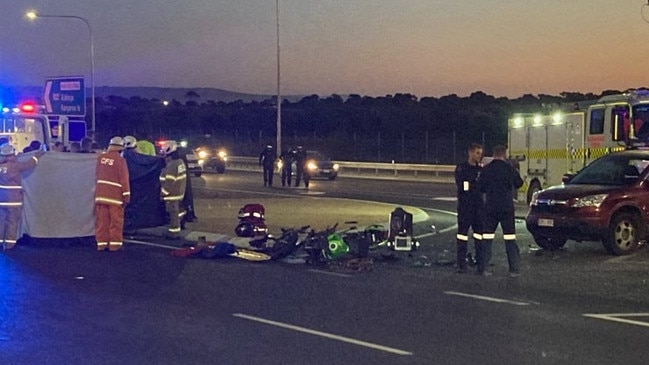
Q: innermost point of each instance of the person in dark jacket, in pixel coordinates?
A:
(300, 167)
(267, 159)
(498, 181)
(469, 205)
(287, 158)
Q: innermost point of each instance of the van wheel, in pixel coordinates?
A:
(534, 187)
(550, 243)
(623, 235)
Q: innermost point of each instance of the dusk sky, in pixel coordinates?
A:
(368, 47)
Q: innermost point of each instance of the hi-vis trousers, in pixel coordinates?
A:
(109, 225)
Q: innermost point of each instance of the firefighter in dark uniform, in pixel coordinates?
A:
(498, 181)
(173, 182)
(267, 159)
(469, 205)
(300, 165)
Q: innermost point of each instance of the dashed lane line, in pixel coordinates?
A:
(324, 334)
(330, 273)
(489, 299)
(617, 317)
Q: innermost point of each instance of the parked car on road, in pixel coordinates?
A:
(606, 201)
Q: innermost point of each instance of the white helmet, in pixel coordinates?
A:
(168, 147)
(7, 150)
(129, 142)
(116, 141)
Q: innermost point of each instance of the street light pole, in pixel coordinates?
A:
(279, 95)
(33, 15)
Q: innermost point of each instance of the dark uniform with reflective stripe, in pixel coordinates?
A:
(498, 182)
(469, 210)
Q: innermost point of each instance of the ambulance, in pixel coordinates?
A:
(548, 146)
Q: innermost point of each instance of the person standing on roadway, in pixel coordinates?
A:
(173, 181)
(267, 159)
(11, 193)
(287, 158)
(112, 193)
(469, 206)
(300, 167)
(498, 181)
(145, 147)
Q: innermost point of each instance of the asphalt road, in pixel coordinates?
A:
(73, 305)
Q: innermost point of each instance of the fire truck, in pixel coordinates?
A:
(21, 125)
(548, 146)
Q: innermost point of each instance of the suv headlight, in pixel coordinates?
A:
(589, 201)
(202, 154)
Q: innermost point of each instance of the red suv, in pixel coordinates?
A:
(606, 201)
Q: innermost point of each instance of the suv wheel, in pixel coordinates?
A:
(550, 243)
(623, 236)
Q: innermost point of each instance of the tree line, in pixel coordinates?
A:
(400, 127)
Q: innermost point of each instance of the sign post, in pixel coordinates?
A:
(65, 96)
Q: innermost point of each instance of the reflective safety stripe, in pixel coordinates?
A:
(165, 191)
(488, 236)
(11, 241)
(114, 243)
(100, 199)
(112, 183)
(174, 230)
(11, 204)
(126, 193)
(477, 236)
(462, 237)
(173, 178)
(182, 214)
(35, 159)
(101, 244)
(17, 187)
(170, 198)
(509, 237)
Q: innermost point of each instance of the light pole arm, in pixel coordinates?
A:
(33, 15)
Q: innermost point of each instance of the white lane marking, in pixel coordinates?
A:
(330, 273)
(153, 244)
(624, 259)
(447, 229)
(446, 198)
(310, 192)
(324, 334)
(615, 317)
(489, 299)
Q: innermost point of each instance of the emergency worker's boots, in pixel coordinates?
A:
(461, 257)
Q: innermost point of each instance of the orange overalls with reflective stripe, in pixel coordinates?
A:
(112, 192)
(11, 197)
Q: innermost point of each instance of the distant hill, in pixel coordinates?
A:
(14, 94)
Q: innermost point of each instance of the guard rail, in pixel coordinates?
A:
(370, 170)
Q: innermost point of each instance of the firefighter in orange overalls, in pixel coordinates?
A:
(112, 193)
(11, 193)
